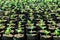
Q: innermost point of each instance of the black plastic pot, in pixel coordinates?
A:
(56, 37)
(44, 37)
(32, 37)
(18, 37)
(0, 37)
(7, 37)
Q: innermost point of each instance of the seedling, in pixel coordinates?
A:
(42, 27)
(28, 22)
(12, 16)
(31, 32)
(19, 24)
(7, 32)
(31, 26)
(31, 18)
(31, 14)
(56, 32)
(19, 30)
(46, 32)
(10, 24)
(21, 17)
(41, 24)
(53, 23)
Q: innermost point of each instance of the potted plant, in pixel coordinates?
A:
(53, 25)
(56, 35)
(21, 17)
(41, 26)
(7, 35)
(10, 23)
(46, 36)
(19, 25)
(19, 36)
(31, 35)
(28, 23)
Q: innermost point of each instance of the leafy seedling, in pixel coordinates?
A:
(19, 30)
(7, 32)
(56, 32)
(46, 32)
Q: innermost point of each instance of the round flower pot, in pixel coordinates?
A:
(33, 32)
(41, 31)
(0, 37)
(56, 37)
(18, 37)
(28, 27)
(51, 28)
(7, 37)
(44, 37)
(32, 37)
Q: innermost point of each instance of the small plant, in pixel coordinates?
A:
(10, 24)
(31, 31)
(7, 32)
(19, 30)
(12, 16)
(21, 17)
(28, 22)
(31, 18)
(42, 27)
(53, 23)
(56, 32)
(31, 27)
(41, 24)
(31, 14)
(46, 32)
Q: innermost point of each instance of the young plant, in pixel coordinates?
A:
(19, 24)
(12, 16)
(53, 23)
(10, 24)
(47, 16)
(31, 27)
(56, 32)
(41, 24)
(28, 22)
(7, 32)
(21, 17)
(46, 32)
(31, 18)
(31, 14)
(19, 30)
